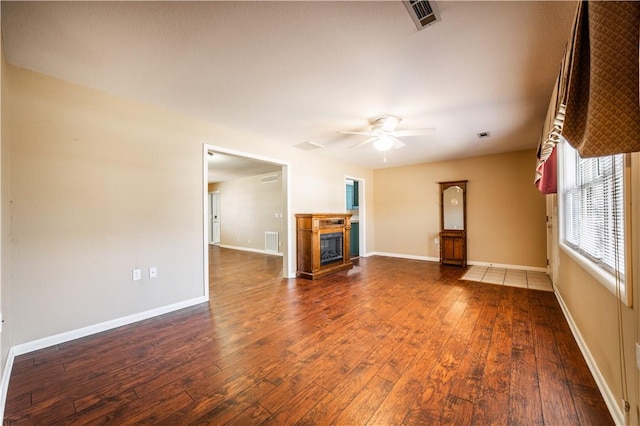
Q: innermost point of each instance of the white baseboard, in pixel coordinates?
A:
(56, 339)
(609, 398)
(4, 388)
(250, 249)
(404, 256)
(507, 266)
(471, 262)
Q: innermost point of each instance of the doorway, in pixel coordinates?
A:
(243, 164)
(355, 204)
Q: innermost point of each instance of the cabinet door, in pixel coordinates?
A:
(453, 248)
(355, 236)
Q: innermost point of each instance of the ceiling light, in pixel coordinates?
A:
(383, 143)
(390, 122)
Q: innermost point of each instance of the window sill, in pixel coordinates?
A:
(605, 278)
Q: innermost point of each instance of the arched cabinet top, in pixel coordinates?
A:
(453, 222)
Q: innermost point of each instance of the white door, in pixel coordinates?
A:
(214, 215)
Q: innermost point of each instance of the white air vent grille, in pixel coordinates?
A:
(422, 12)
(271, 241)
(270, 178)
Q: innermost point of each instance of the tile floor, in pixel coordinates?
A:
(509, 277)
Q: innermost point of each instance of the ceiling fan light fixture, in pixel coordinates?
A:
(389, 123)
(383, 143)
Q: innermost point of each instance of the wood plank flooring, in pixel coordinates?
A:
(392, 341)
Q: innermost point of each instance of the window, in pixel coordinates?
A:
(592, 202)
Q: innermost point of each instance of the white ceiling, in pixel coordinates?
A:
(223, 167)
(300, 71)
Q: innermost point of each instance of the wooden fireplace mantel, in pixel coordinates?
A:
(310, 228)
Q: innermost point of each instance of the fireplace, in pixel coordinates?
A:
(322, 244)
(330, 247)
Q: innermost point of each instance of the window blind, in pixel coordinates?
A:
(593, 199)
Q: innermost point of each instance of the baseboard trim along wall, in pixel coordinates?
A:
(6, 375)
(404, 256)
(56, 339)
(609, 398)
(474, 263)
(250, 249)
(507, 266)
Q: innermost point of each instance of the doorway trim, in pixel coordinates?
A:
(362, 213)
(288, 261)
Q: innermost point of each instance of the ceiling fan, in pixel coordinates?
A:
(383, 133)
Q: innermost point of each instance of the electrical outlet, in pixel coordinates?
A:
(638, 355)
(137, 274)
(153, 272)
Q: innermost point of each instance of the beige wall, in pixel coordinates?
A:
(505, 212)
(593, 309)
(101, 185)
(5, 268)
(248, 210)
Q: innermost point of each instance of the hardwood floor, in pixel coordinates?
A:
(392, 341)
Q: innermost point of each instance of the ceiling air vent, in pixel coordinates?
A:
(309, 146)
(422, 12)
(269, 178)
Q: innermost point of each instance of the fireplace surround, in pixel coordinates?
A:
(322, 244)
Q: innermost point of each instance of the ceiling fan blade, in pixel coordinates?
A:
(414, 132)
(364, 142)
(397, 143)
(354, 133)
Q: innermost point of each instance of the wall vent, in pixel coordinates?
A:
(271, 241)
(270, 178)
(422, 12)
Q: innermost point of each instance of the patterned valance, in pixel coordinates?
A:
(595, 105)
(602, 102)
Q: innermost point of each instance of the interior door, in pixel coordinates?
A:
(214, 216)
